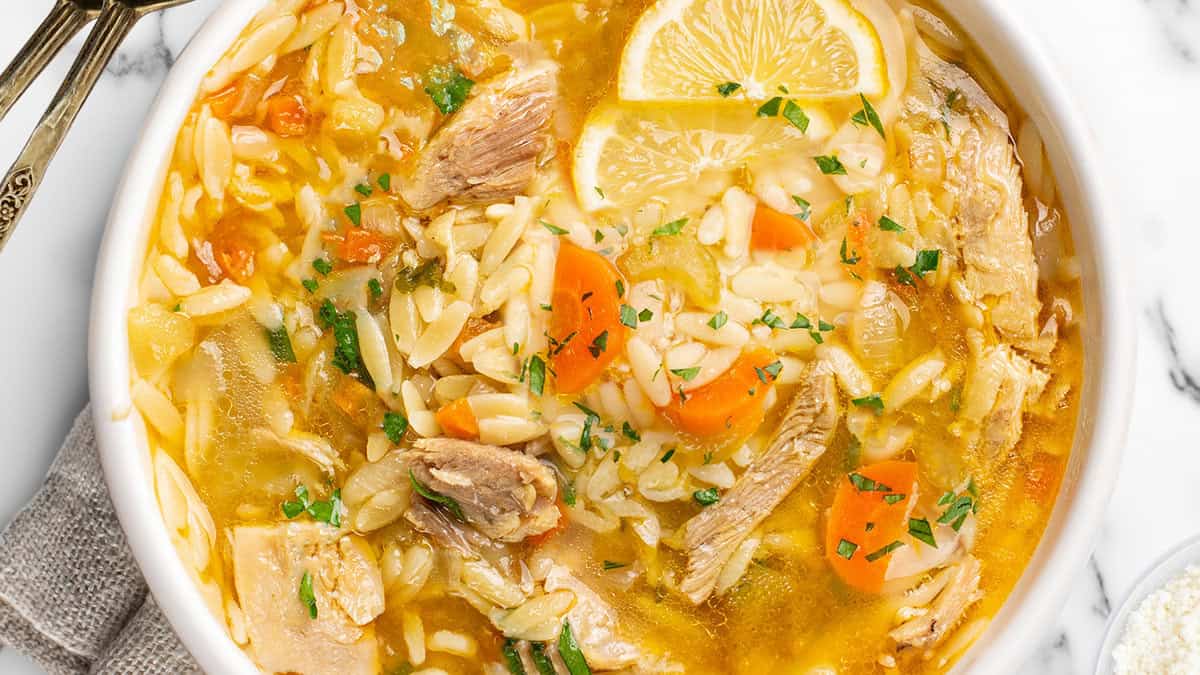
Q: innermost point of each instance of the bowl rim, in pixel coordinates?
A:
(1033, 602)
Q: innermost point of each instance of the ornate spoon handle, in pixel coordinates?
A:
(64, 22)
(23, 179)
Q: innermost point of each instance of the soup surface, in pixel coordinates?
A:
(606, 335)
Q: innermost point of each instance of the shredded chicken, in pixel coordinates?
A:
(1001, 386)
(488, 151)
(269, 563)
(505, 494)
(963, 147)
(712, 536)
(960, 589)
(312, 446)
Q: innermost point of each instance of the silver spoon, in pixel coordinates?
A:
(115, 20)
(65, 20)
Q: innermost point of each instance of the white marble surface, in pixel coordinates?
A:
(1134, 65)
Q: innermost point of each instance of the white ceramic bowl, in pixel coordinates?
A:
(1108, 343)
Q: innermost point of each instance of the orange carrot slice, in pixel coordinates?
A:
(586, 333)
(458, 420)
(775, 231)
(867, 522)
(363, 246)
(287, 116)
(731, 404)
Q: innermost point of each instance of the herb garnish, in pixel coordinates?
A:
(707, 496)
(920, 530)
(794, 114)
(719, 319)
(805, 207)
(629, 316)
(375, 288)
(345, 337)
(354, 213)
(598, 345)
(672, 228)
(569, 650)
(868, 116)
(613, 565)
(537, 375)
(306, 595)
(448, 87)
(630, 432)
(394, 426)
(846, 549)
(281, 345)
(872, 401)
(726, 89)
(770, 108)
(872, 557)
(830, 165)
(437, 498)
(323, 266)
(888, 225)
(554, 229)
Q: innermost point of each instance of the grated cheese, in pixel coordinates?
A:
(1162, 635)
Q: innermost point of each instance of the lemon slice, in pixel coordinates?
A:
(630, 152)
(680, 50)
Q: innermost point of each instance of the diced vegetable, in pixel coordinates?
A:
(457, 420)
(679, 259)
(586, 333)
(732, 404)
(775, 231)
(448, 88)
(869, 511)
(363, 246)
(287, 116)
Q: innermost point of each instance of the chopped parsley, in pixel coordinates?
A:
(852, 258)
(448, 87)
(310, 285)
(630, 432)
(927, 261)
(794, 114)
(846, 549)
(394, 426)
(306, 595)
(345, 337)
(667, 457)
(554, 229)
(569, 650)
(770, 108)
(773, 369)
(629, 316)
(281, 345)
(864, 484)
(512, 658)
(323, 266)
(375, 288)
(363, 189)
(801, 322)
(895, 498)
(599, 345)
(726, 89)
(872, 557)
(585, 434)
(920, 530)
(888, 225)
(904, 276)
(805, 207)
(429, 273)
(599, 192)
(670, 229)
(770, 320)
(537, 375)
(719, 319)
(872, 401)
(957, 508)
(354, 213)
(686, 374)
(868, 116)
(620, 285)
(830, 165)
(707, 496)
(438, 498)
(645, 315)
(385, 181)
(613, 565)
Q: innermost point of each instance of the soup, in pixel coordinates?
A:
(606, 336)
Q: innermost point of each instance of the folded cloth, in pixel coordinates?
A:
(71, 595)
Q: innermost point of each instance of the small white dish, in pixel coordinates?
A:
(1108, 329)
(1162, 572)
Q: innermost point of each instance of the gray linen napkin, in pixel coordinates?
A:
(71, 595)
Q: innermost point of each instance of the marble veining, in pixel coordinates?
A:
(1134, 66)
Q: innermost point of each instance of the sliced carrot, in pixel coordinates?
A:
(775, 231)
(867, 517)
(287, 116)
(585, 324)
(234, 251)
(540, 539)
(458, 420)
(473, 329)
(355, 399)
(732, 404)
(363, 246)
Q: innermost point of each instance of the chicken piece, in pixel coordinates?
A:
(959, 590)
(712, 536)
(1001, 386)
(505, 494)
(593, 622)
(953, 121)
(446, 531)
(488, 151)
(311, 446)
(269, 562)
